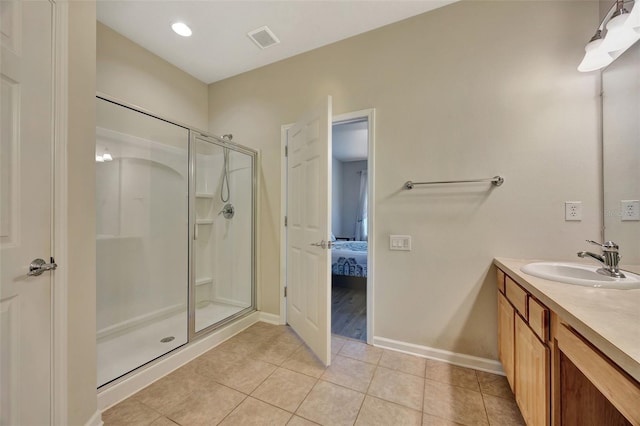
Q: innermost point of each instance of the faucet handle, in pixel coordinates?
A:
(608, 245)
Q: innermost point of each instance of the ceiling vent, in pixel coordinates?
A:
(263, 37)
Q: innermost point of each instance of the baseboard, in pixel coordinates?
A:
(127, 386)
(462, 360)
(270, 318)
(95, 420)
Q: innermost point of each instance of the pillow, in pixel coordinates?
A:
(333, 237)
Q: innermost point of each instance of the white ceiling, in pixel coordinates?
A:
(220, 48)
(349, 141)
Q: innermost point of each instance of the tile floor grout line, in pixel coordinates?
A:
(306, 396)
(484, 405)
(304, 399)
(146, 405)
(395, 402)
(235, 407)
(366, 392)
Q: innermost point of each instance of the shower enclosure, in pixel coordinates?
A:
(174, 236)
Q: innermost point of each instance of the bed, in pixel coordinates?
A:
(349, 263)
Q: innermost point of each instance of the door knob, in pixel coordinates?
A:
(38, 266)
(324, 244)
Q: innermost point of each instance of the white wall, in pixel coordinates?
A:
(336, 196)
(473, 89)
(350, 195)
(134, 75)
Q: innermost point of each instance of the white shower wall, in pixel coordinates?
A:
(224, 247)
(141, 229)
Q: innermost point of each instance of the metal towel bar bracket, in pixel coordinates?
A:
(495, 181)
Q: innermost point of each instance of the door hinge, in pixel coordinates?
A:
(286, 150)
(285, 221)
(285, 292)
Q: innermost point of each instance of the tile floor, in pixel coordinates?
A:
(266, 376)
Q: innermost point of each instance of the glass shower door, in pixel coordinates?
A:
(223, 247)
(142, 242)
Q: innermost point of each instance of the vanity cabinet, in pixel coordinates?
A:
(532, 375)
(592, 389)
(557, 376)
(506, 337)
(523, 325)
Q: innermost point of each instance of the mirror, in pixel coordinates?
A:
(621, 153)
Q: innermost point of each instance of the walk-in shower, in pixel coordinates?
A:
(175, 239)
(223, 231)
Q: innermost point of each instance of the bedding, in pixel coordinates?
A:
(349, 258)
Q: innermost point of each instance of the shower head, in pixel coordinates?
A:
(227, 137)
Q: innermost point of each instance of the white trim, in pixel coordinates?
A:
(270, 318)
(59, 384)
(283, 211)
(95, 420)
(370, 114)
(462, 360)
(122, 389)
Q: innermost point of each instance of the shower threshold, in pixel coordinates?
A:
(122, 353)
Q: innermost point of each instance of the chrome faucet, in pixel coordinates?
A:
(610, 258)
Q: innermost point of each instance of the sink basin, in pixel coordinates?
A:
(580, 274)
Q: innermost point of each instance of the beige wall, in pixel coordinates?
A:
(134, 75)
(471, 90)
(81, 255)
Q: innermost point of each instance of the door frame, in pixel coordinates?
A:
(59, 279)
(368, 114)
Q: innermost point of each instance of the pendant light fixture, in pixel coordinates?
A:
(633, 21)
(622, 31)
(595, 57)
(619, 35)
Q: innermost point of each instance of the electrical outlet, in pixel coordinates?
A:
(630, 210)
(573, 210)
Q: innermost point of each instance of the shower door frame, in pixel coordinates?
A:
(195, 133)
(194, 136)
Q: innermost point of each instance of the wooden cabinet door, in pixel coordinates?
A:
(506, 349)
(532, 375)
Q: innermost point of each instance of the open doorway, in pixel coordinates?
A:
(349, 226)
(364, 119)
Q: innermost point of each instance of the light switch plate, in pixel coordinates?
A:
(573, 210)
(400, 242)
(630, 210)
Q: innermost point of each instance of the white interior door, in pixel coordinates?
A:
(26, 114)
(308, 229)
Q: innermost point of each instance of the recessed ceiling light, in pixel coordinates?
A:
(181, 29)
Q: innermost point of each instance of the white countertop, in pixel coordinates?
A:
(608, 318)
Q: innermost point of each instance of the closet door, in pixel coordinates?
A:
(26, 149)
